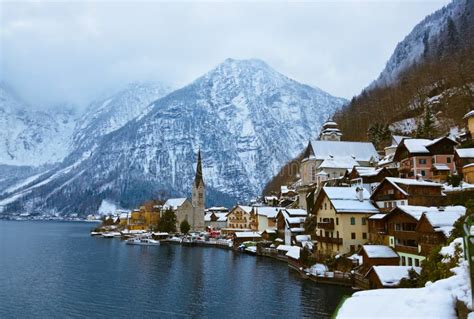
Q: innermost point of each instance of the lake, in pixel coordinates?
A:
(56, 270)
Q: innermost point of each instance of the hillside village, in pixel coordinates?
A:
(355, 217)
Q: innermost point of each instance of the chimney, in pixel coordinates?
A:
(360, 193)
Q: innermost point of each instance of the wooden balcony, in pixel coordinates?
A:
(329, 240)
(326, 225)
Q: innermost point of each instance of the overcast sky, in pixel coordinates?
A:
(61, 51)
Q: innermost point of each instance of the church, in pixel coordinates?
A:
(192, 211)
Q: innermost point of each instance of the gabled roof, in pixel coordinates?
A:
(268, 211)
(246, 209)
(344, 199)
(359, 151)
(442, 219)
(398, 182)
(247, 234)
(379, 251)
(390, 276)
(174, 203)
(345, 162)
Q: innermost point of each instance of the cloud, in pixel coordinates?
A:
(61, 51)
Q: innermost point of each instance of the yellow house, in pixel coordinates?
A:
(265, 217)
(240, 218)
(342, 219)
(470, 122)
(468, 173)
(145, 218)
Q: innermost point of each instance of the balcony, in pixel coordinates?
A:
(329, 240)
(329, 225)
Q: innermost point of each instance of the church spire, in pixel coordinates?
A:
(198, 179)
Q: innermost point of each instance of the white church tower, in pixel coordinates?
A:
(198, 197)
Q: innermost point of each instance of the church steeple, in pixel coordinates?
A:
(198, 179)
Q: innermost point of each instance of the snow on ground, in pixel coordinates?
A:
(317, 269)
(436, 300)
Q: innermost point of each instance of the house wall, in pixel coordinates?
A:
(470, 125)
(468, 173)
(412, 166)
(185, 211)
(238, 218)
(329, 240)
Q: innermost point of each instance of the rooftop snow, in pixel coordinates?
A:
(391, 276)
(417, 145)
(465, 152)
(296, 212)
(247, 234)
(378, 216)
(361, 151)
(379, 251)
(345, 162)
(284, 247)
(294, 252)
(469, 114)
(411, 182)
(174, 203)
(441, 167)
(268, 211)
(344, 199)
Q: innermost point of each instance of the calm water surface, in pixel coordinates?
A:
(56, 270)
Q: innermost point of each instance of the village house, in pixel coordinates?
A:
(266, 217)
(463, 157)
(413, 240)
(377, 255)
(425, 158)
(342, 214)
(388, 160)
(290, 223)
(378, 229)
(468, 173)
(240, 218)
(394, 191)
(370, 176)
(329, 159)
(470, 123)
(389, 276)
(241, 237)
(215, 221)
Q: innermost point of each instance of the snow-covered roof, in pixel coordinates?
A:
(297, 230)
(465, 152)
(411, 182)
(296, 212)
(268, 211)
(221, 217)
(174, 203)
(378, 216)
(217, 208)
(379, 251)
(301, 238)
(468, 165)
(283, 247)
(294, 252)
(390, 276)
(441, 218)
(247, 234)
(396, 139)
(295, 220)
(469, 114)
(417, 145)
(269, 231)
(344, 199)
(344, 162)
(360, 151)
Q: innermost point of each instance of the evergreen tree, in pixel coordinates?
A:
(428, 123)
(184, 227)
(168, 221)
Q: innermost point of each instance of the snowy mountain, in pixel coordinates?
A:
(248, 120)
(33, 137)
(416, 44)
(111, 113)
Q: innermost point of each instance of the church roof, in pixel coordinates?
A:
(198, 179)
(359, 151)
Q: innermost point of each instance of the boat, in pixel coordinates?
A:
(142, 242)
(111, 234)
(96, 233)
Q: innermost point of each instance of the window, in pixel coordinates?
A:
(353, 235)
(337, 234)
(404, 262)
(410, 261)
(353, 221)
(325, 206)
(398, 227)
(417, 262)
(448, 160)
(337, 221)
(364, 235)
(422, 161)
(363, 219)
(423, 173)
(390, 191)
(313, 173)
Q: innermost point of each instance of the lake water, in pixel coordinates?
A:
(56, 270)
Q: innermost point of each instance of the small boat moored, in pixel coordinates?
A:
(142, 241)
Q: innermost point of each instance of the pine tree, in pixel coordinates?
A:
(184, 227)
(168, 221)
(428, 123)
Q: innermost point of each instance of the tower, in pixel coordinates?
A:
(330, 132)
(198, 197)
